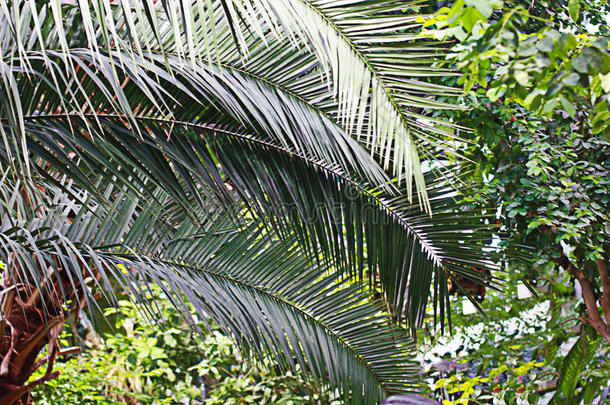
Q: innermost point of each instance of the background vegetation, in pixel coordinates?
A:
(168, 362)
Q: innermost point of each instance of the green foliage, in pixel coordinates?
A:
(552, 184)
(83, 379)
(241, 382)
(540, 101)
(573, 368)
(516, 353)
(168, 362)
(548, 71)
(540, 110)
(294, 146)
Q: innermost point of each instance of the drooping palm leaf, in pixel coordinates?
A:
(269, 296)
(376, 93)
(368, 233)
(88, 79)
(379, 70)
(359, 63)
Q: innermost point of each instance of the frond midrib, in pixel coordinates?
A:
(389, 93)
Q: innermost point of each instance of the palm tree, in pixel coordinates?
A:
(256, 158)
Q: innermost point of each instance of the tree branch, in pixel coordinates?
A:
(14, 396)
(594, 318)
(602, 267)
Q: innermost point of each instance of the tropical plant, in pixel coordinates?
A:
(517, 350)
(173, 363)
(302, 314)
(237, 154)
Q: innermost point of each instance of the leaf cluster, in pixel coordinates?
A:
(172, 363)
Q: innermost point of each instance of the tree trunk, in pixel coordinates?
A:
(32, 319)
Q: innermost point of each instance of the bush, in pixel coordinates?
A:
(168, 362)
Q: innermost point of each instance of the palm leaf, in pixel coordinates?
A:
(269, 296)
(378, 67)
(143, 85)
(119, 112)
(375, 94)
(370, 234)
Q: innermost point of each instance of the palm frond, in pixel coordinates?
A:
(155, 119)
(369, 233)
(377, 65)
(80, 82)
(300, 315)
(269, 296)
(379, 93)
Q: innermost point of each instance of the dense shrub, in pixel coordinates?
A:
(144, 362)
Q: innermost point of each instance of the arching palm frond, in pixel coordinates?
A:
(368, 233)
(359, 63)
(156, 99)
(379, 93)
(269, 296)
(378, 65)
(340, 211)
(79, 78)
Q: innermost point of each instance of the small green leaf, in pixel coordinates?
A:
(522, 77)
(546, 44)
(485, 7)
(550, 105)
(169, 340)
(571, 79)
(600, 121)
(568, 106)
(494, 93)
(531, 97)
(605, 82)
(470, 17)
(580, 64)
(574, 9)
